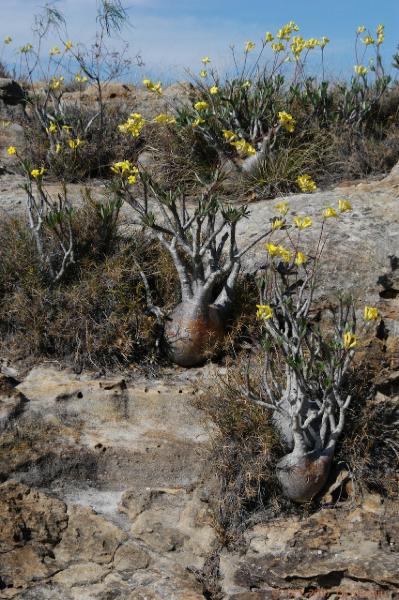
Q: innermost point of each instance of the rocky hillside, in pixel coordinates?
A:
(106, 491)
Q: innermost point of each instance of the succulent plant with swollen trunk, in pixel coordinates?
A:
(302, 381)
(201, 238)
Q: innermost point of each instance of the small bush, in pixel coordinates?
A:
(97, 315)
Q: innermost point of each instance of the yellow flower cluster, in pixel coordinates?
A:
(278, 47)
(126, 169)
(68, 45)
(80, 78)
(244, 148)
(11, 150)
(303, 222)
(285, 255)
(269, 37)
(56, 82)
(206, 60)
(249, 46)
(37, 173)
(349, 340)
(330, 212)
(52, 128)
(203, 73)
(368, 40)
(287, 121)
(264, 312)
(201, 105)
(25, 49)
(74, 144)
(164, 119)
(282, 208)
(306, 183)
(133, 125)
(380, 34)
(54, 51)
(8, 40)
(371, 313)
(153, 87)
(213, 90)
(197, 122)
(299, 44)
(285, 32)
(360, 70)
(277, 223)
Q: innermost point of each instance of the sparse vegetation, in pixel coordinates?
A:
(76, 287)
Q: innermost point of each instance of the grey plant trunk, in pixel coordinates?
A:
(303, 472)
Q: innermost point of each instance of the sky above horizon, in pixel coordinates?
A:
(173, 35)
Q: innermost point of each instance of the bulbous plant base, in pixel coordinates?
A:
(192, 334)
(303, 476)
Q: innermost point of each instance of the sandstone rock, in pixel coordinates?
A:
(31, 524)
(81, 574)
(89, 537)
(130, 557)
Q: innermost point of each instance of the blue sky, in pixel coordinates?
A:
(174, 34)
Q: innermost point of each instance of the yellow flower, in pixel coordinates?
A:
(8, 40)
(133, 125)
(228, 135)
(201, 105)
(52, 128)
(68, 45)
(368, 40)
(361, 29)
(268, 37)
(67, 128)
(349, 340)
(56, 83)
(380, 34)
(132, 179)
(277, 223)
(360, 70)
(282, 208)
(330, 212)
(164, 118)
(203, 73)
(74, 144)
(264, 312)
(246, 84)
(279, 47)
(306, 183)
(244, 148)
(344, 205)
(213, 90)
(285, 255)
(303, 222)
(54, 51)
(80, 78)
(121, 167)
(11, 150)
(25, 49)
(153, 87)
(37, 173)
(249, 46)
(311, 43)
(300, 259)
(324, 41)
(197, 122)
(206, 60)
(371, 313)
(58, 148)
(287, 121)
(272, 249)
(297, 46)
